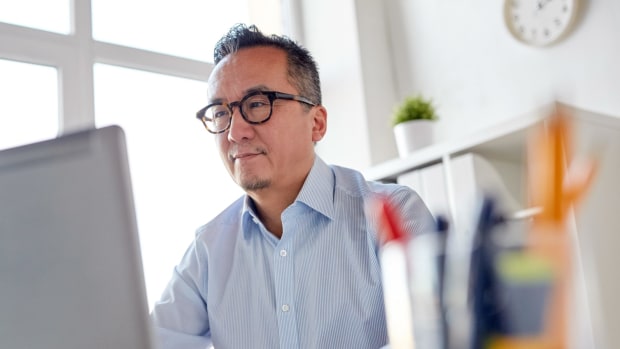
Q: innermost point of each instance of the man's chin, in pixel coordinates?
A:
(255, 184)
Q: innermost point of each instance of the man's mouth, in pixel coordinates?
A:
(246, 155)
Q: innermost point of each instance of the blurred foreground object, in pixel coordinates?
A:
(556, 183)
(395, 276)
(412, 275)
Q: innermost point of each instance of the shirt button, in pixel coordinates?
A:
(283, 253)
(285, 308)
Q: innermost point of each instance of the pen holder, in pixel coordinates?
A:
(533, 293)
(524, 283)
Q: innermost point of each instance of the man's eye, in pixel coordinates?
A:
(257, 104)
(220, 114)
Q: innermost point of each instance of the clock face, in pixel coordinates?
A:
(539, 22)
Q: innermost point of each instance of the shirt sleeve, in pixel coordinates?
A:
(416, 217)
(180, 317)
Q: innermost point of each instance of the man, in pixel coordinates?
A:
(294, 263)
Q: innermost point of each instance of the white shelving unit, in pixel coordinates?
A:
(597, 218)
(505, 141)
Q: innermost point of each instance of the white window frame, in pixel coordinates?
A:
(75, 54)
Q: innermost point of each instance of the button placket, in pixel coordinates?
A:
(284, 273)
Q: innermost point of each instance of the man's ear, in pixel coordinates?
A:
(319, 123)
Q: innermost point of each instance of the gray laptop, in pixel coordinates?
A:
(70, 267)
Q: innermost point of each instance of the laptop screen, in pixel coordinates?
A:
(70, 267)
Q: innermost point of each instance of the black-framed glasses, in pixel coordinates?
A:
(255, 107)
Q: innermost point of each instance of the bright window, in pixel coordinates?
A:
(173, 161)
(29, 107)
(186, 28)
(50, 15)
(178, 179)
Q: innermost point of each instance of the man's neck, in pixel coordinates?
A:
(270, 203)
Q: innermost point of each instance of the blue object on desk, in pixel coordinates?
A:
(482, 284)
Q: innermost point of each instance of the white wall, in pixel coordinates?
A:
(461, 54)
(357, 78)
(329, 32)
(373, 53)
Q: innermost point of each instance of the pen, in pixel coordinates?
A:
(395, 278)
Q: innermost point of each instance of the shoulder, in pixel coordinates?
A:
(228, 219)
(408, 203)
(354, 183)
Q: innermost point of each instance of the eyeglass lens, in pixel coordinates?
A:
(254, 108)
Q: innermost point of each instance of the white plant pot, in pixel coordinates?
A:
(413, 135)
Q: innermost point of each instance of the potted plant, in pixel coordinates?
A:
(413, 123)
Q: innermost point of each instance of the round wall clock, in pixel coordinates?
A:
(540, 22)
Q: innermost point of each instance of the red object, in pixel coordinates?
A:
(390, 223)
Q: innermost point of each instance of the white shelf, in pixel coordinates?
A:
(505, 140)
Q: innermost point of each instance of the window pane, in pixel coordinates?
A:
(187, 28)
(29, 107)
(50, 15)
(178, 180)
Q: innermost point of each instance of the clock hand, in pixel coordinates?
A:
(541, 4)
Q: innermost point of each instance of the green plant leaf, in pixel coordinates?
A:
(414, 108)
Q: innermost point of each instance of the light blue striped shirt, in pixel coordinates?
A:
(319, 286)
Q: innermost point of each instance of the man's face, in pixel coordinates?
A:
(279, 153)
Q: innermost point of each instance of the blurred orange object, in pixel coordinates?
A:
(555, 184)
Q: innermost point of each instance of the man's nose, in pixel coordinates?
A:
(239, 128)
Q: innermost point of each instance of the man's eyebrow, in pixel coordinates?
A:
(215, 100)
(256, 88)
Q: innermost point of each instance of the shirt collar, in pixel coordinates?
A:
(318, 189)
(316, 193)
